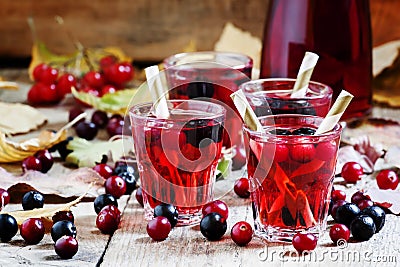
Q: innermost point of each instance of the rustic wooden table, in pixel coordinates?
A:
(131, 246)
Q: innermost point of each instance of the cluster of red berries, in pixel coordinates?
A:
(361, 216)
(119, 180)
(213, 224)
(51, 85)
(32, 230)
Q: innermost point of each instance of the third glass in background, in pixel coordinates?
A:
(211, 75)
(273, 96)
(291, 174)
(338, 31)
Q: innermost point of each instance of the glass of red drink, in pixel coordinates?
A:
(338, 31)
(211, 75)
(273, 96)
(177, 157)
(291, 173)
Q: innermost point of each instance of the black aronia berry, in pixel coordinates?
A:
(32, 200)
(168, 211)
(103, 200)
(63, 228)
(362, 228)
(8, 227)
(377, 214)
(346, 213)
(213, 226)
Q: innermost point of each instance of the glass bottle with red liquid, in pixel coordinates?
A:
(339, 31)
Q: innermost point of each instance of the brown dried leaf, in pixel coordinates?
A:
(389, 199)
(61, 188)
(16, 151)
(349, 153)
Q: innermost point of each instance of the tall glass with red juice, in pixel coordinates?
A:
(211, 76)
(291, 173)
(338, 31)
(177, 157)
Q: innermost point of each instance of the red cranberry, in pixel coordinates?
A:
(339, 231)
(46, 159)
(216, 206)
(365, 203)
(115, 125)
(66, 247)
(65, 83)
(281, 152)
(302, 152)
(31, 163)
(241, 187)
(113, 210)
(338, 195)
(158, 228)
(139, 196)
(304, 242)
(107, 222)
(115, 186)
(4, 198)
(357, 197)
(93, 79)
(63, 216)
(387, 179)
(104, 170)
(352, 172)
(242, 233)
(32, 230)
(325, 150)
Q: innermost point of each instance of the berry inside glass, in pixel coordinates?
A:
(273, 96)
(291, 172)
(214, 75)
(177, 157)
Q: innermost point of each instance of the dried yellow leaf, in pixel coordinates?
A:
(17, 151)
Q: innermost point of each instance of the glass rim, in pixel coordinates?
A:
(173, 60)
(220, 110)
(268, 136)
(329, 90)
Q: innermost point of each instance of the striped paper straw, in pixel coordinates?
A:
(246, 112)
(157, 92)
(335, 113)
(303, 77)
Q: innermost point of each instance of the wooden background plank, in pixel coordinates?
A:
(149, 30)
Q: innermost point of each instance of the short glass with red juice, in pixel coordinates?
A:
(291, 172)
(211, 75)
(177, 157)
(273, 96)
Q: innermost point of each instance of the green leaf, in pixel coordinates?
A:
(115, 103)
(224, 166)
(87, 153)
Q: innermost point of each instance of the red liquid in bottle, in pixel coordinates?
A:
(338, 31)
